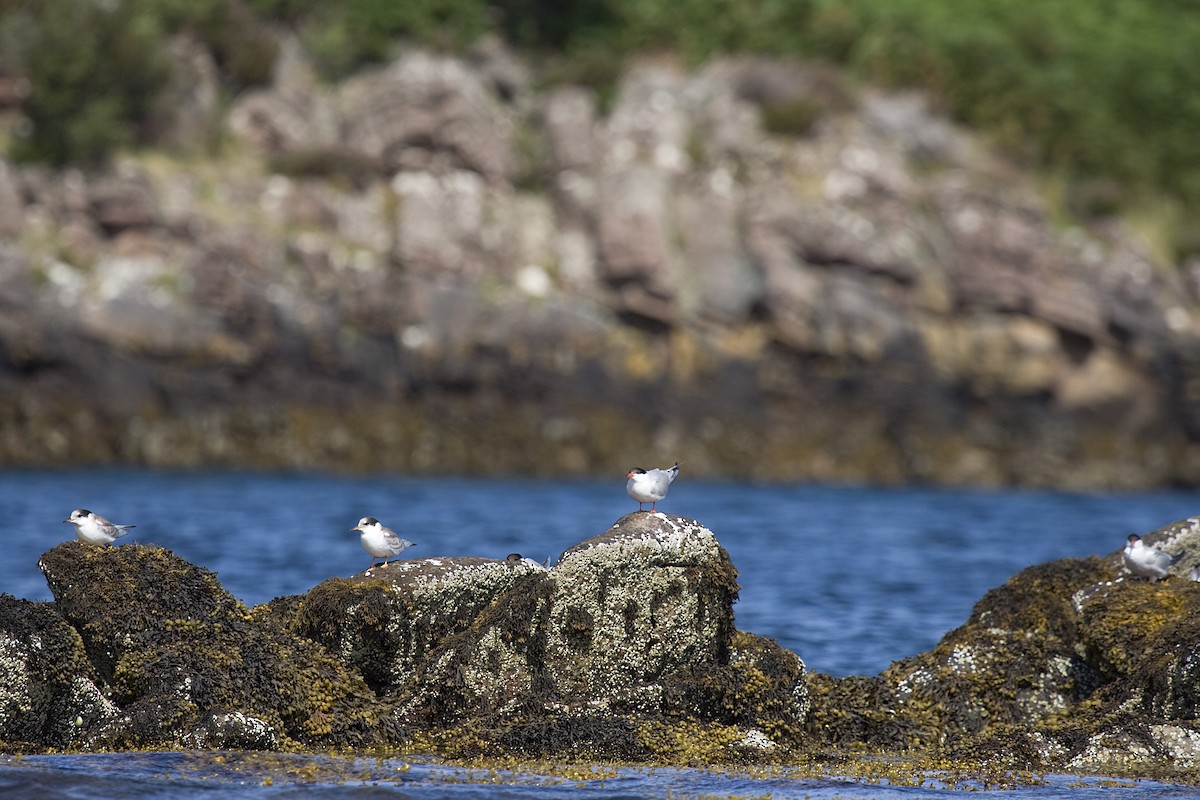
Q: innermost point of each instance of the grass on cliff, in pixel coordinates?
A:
(1100, 93)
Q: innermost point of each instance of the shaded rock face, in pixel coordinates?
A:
(185, 664)
(652, 594)
(1075, 664)
(48, 688)
(385, 623)
(492, 278)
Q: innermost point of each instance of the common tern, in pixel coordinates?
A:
(1146, 561)
(650, 486)
(380, 541)
(94, 529)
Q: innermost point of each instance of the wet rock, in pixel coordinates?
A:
(385, 621)
(625, 649)
(48, 689)
(652, 594)
(187, 665)
(632, 628)
(1072, 665)
(1014, 663)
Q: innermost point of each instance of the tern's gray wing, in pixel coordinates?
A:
(394, 542)
(660, 479)
(1166, 559)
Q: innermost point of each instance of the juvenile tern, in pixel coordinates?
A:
(1146, 561)
(94, 529)
(380, 541)
(650, 486)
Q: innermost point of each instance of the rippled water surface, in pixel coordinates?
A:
(157, 776)
(849, 578)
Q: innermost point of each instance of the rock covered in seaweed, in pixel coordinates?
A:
(48, 688)
(626, 649)
(187, 665)
(631, 630)
(1071, 665)
(384, 621)
(651, 595)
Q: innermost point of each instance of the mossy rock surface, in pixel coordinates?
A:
(384, 622)
(625, 650)
(48, 688)
(188, 665)
(630, 633)
(1069, 665)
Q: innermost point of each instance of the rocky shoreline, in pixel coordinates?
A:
(444, 265)
(625, 650)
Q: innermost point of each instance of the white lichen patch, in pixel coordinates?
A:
(497, 673)
(418, 604)
(1104, 752)
(232, 730)
(656, 536)
(636, 601)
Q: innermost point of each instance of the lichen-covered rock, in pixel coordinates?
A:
(629, 634)
(493, 670)
(384, 622)
(652, 594)
(1013, 662)
(1070, 665)
(187, 665)
(48, 691)
(623, 650)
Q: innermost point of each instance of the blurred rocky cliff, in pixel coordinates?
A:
(446, 265)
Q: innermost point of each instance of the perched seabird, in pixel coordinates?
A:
(650, 486)
(1146, 561)
(94, 529)
(380, 541)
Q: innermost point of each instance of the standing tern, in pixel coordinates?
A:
(94, 529)
(380, 541)
(650, 486)
(1146, 561)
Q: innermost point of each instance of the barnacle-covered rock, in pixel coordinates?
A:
(48, 691)
(651, 595)
(384, 622)
(632, 628)
(1073, 664)
(186, 664)
(1014, 662)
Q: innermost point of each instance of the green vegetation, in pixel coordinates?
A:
(1099, 94)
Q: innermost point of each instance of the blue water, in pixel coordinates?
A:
(164, 776)
(849, 578)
